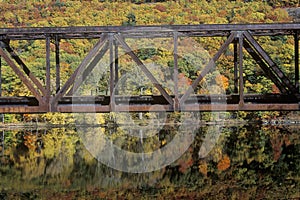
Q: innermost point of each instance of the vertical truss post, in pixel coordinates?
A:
(235, 60)
(296, 38)
(76, 78)
(48, 81)
(0, 77)
(116, 63)
(111, 72)
(175, 74)
(57, 66)
(2, 143)
(241, 79)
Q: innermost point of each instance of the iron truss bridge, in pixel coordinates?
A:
(114, 44)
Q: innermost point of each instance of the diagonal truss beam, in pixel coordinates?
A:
(140, 64)
(272, 66)
(207, 68)
(79, 69)
(26, 70)
(264, 67)
(22, 76)
(88, 70)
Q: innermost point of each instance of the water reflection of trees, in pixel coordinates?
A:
(247, 161)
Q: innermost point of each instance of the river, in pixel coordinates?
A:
(206, 161)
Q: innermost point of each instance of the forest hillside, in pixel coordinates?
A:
(58, 13)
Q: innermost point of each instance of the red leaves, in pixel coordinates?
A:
(161, 8)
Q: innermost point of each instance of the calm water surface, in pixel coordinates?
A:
(228, 162)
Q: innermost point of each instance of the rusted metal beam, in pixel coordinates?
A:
(144, 69)
(270, 62)
(79, 69)
(22, 76)
(145, 104)
(235, 66)
(246, 107)
(157, 100)
(207, 68)
(296, 44)
(48, 78)
(29, 101)
(0, 76)
(269, 73)
(156, 31)
(241, 71)
(83, 109)
(166, 102)
(116, 63)
(23, 109)
(175, 72)
(25, 69)
(57, 65)
(89, 68)
(111, 73)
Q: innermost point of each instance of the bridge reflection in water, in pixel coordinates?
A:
(111, 41)
(246, 161)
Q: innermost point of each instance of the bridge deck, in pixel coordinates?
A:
(252, 102)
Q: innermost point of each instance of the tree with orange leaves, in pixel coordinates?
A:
(224, 163)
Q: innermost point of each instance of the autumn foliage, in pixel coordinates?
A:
(224, 163)
(222, 81)
(62, 13)
(203, 168)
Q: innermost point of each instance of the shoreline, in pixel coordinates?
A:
(41, 125)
